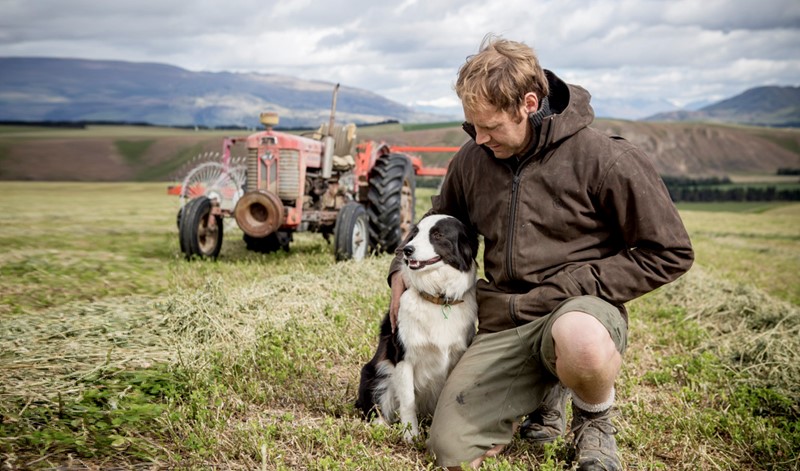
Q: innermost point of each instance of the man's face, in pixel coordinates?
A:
(504, 133)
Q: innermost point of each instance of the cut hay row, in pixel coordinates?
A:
(758, 336)
(56, 352)
(58, 348)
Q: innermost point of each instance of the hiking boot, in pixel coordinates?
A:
(595, 445)
(548, 422)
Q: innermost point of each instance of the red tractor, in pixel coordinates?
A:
(361, 195)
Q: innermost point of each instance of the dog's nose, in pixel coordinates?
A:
(408, 250)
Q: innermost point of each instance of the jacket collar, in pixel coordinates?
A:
(569, 112)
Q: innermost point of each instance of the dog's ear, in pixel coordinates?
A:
(468, 244)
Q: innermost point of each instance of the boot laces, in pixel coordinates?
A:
(600, 422)
(549, 415)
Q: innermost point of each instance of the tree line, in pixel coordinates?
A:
(712, 189)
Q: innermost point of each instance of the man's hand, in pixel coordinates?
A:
(398, 288)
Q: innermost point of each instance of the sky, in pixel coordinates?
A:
(634, 56)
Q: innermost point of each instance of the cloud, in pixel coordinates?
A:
(410, 51)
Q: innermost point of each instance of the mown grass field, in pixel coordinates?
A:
(117, 353)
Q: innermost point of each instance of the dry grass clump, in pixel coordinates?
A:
(757, 335)
(49, 356)
(228, 318)
(276, 356)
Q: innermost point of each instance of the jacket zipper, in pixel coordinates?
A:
(515, 196)
(510, 238)
(511, 219)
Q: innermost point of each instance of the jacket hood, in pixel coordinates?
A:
(570, 112)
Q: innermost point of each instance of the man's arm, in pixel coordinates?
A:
(658, 249)
(395, 279)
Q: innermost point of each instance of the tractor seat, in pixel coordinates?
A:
(344, 147)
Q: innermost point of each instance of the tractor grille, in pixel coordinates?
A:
(289, 171)
(252, 169)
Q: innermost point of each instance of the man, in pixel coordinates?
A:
(575, 224)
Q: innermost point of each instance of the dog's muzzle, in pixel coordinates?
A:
(415, 264)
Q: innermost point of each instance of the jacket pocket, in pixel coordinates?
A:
(494, 310)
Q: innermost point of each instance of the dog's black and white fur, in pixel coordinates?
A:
(435, 325)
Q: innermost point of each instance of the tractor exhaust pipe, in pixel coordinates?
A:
(328, 141)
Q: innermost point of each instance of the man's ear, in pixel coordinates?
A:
(531, 102)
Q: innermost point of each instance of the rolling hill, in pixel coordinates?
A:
(109, 153)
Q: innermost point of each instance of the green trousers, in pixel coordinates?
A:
(501, 377)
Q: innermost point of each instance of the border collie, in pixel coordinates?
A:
(435, 325)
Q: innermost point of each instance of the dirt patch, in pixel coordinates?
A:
(94, 159)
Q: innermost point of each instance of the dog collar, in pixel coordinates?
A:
(440, 299)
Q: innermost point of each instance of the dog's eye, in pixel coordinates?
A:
(436, 235)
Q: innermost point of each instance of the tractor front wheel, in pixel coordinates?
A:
(391, 202)
(200, 231)
(351, 234)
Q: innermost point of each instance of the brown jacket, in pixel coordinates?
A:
(579, 213)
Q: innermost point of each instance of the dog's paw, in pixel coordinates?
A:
(410, 435)
(378, 420)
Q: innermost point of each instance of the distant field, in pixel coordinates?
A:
(749, 243)
(732, 206)
(102, 153)
(117, 353)
(779, 179)
(426, 126)
(370, 132)
(761, 182)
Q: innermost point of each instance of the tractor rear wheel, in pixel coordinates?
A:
(351, 234)
(200, 231)
(390, 202)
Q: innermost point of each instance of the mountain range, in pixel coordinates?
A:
(75, 90)
(760, 106)
(44, 89)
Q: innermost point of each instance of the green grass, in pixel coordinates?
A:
(116, 352)
(732, 206)
(365, 132)
(426, 126)
(786, 138)
(65, 242)
(752, 244)
(171, 166)
(132, 151)
(792, 184)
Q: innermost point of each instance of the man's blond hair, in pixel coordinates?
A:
(500, 75)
